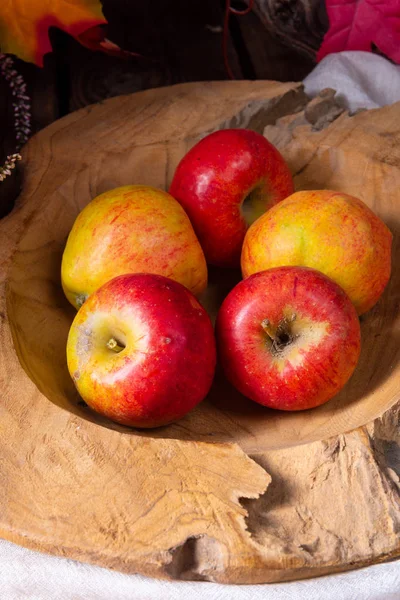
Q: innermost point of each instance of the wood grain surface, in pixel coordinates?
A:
(233, 492)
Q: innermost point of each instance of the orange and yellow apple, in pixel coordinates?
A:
(333, 232)
(131, 229)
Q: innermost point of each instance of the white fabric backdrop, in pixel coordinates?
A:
(362, 80)
(27, 575)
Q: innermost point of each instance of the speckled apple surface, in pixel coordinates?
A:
(332, 232)
(288, 338)
(134, 347)
(225, 182)
(132, 228)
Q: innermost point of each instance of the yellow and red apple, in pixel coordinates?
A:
(131, 229)
(224, 183)
(288, 338)
(141, 350)
(332, 232)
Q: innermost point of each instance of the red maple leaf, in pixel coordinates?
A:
(24, 26)
(358, 24)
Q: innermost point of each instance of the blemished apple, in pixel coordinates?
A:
(288, 338)
(131, 229)
(330, 231)
(224, 183)
(141, 350)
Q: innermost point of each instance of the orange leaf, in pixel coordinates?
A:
(24, 26)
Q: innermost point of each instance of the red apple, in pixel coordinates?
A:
(224, 183)
(288, 338)
(141, 350)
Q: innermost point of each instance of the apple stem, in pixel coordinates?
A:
(280, 336)
(266, 325)
(112, 344)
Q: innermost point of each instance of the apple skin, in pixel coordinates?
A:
(319, 329)
(131, 229)
(332, 232)
(166, 359)
(213, 180)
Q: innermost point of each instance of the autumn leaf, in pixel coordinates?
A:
(24, 26)
(360, 24)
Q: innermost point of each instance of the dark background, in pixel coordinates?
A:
(179, 40)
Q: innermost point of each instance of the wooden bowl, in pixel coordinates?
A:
(176, 501)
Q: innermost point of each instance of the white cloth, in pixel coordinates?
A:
(27, 575)
(362, 80)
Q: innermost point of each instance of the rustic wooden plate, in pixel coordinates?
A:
(187, 501)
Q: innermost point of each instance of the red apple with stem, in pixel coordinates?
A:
(141, 350)
(224, 183)
(288, 338)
